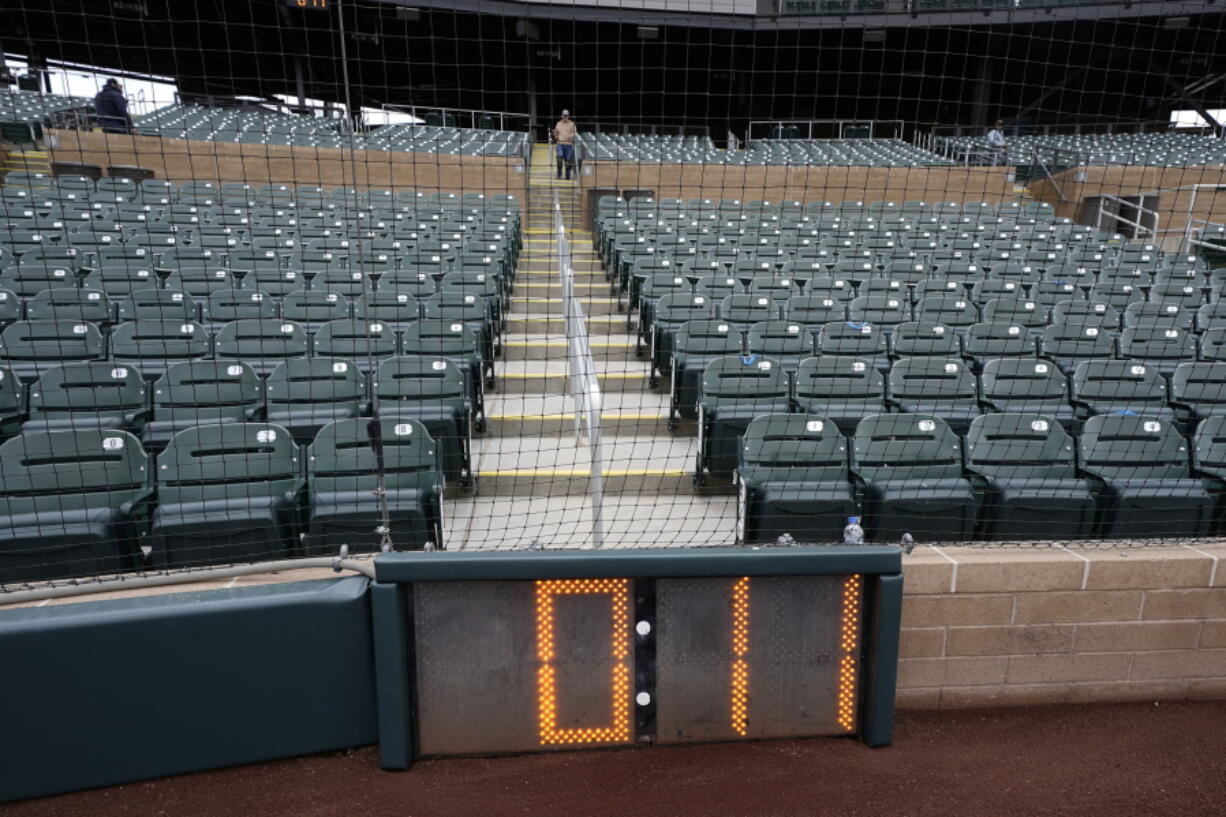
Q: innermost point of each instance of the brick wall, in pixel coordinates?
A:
(992, 627)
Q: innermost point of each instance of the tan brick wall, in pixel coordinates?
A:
(1002, 627)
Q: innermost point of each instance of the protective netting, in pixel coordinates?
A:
(323, 276)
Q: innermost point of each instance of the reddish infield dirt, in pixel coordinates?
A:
(1128, 759)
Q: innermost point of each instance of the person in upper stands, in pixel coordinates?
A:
(996, 143)
(564, 134)
(112, 109)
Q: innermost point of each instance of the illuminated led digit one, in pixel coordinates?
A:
(547, 692)
(849, 643)
(740, 647)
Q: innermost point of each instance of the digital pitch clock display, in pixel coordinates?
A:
(509, 652)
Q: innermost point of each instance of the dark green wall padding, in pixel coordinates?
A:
(109, 692)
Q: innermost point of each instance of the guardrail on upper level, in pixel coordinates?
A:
(583, 384)
(824, 129)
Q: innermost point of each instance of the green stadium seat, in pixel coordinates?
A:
(434, 392)
(357, 468)
(305, 394)
(942, 387)
(1162, 347)
(847, 339)
(152, 345)
(842, 389)
(671, 312)
(71, 305)
(1016, 311)
(884, 311)
(263, 343)
(395, 308)
(72, 503)
(695, 345)
(1209, 462)
(227, 493)
(924, 339)
(1167, 315)
(793, 479)
(909, 467)
(1021, 386)
(30, 348)
(202, 392)
(734, 390)
(201, 282)
(1198, 392)
(1103, 387)
(1139, 469)
(1068, 344)
(157, 304)
(84, 396)
(228, 305)
(786, 342)
(29, 280)
(1086, 313)
(954, 310)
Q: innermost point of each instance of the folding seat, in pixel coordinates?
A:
(1086, 313)
(734, 390)
(458, 342)
(71, 304)
(954, 310)
(887, 287)
(1068, 344)
(1024, 469)
(695, 344)
(313, 307)
(419, 283)
(909, 467)
(743, 310)
(779, 288)
(472, 310)
(1161, 347)
(30, 348)
(1118, 295)
(1049, 293)
(1211, 316)
(847, 339)
(786, 342)
(1139, 470)
(924, 339)
(1027, 386)
(72, 503)
(357, 469)
(943, 387)
(884, 311)
(151, 345)
(1017, 311)
(718, 286)
(225, 306)
(481, 284)
(275, 282)
(1186, 295)
(12, 404)
(842, 389)
(1120, 387)
(434, 392)
(989, 288)
(395, 308)
(305, 394)
(28, 280)
(670, 313)
(157, 304)
(201, 282)
(263, 343)
(813, 311)
(229, 492)
(10, 307)
(201, 392)
(655, 287)
(853, 269)
(1198, 391)
(1209, 462)
(793, 478)
(82, 396)
(1168, 315)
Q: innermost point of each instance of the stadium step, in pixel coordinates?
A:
(555, 465)
(554, 325)
(544, 347)
(539, 415)
(549, 376)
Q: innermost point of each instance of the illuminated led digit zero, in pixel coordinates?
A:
(740, 648)
(618, 730)
(849, 642)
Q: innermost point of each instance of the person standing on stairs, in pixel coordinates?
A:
(564, 134)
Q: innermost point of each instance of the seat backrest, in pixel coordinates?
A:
(315, 380)
(1070, 339)
(905, 447)
(885, 310)
(159, 339)
(432, 336)
(989, 339)
(314, 306)
(1208, 446)
(747, 378)
(1022, 380)
(207, 383)
(387, 306)
(949, 309)
(707, 337)
(679, 307)
(1199, 384)
(419, 379)
(838, 378)
(51, 340)
(355, 339)
(70, 304)
(1086, 313)
(1151, 342)
(1159, 314)
(1128, 446)
(352, 455)
(235, 304)
(921, 378)
(261, 338)
(779, 339)
(1021, 311)
(1019, 446)
(924, 339)
(227, 460)
(1124, 381)
(66, 470)
(155, 304)
(793, 448)
(848, 338)
(88, 388)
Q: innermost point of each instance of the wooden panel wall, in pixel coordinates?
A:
(775, 183)
(183, 160)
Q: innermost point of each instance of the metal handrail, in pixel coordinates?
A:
(584, 385)
(1138, 226)
(898, 126)
(473, 115)
(1192, 233)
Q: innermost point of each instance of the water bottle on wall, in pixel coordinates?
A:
(853, 534)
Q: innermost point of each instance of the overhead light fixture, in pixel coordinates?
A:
(649, 33)
(1176, 22)
(874, 35)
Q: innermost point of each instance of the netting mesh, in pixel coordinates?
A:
(296, 279)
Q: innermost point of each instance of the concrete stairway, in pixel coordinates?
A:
(533, 477)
